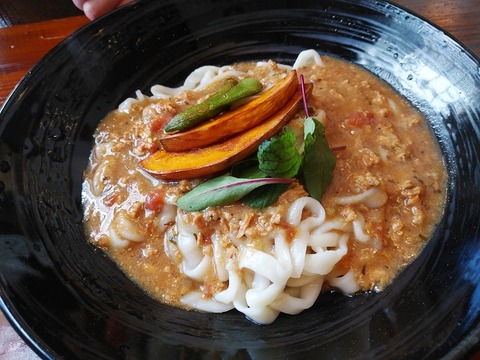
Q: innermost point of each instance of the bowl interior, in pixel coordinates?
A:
(49, 274)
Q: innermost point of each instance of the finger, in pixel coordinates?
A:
(96, 8)
(79, 3)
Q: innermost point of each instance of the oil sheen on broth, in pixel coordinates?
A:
(387, 194)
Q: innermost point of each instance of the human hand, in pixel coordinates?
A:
(96, 8)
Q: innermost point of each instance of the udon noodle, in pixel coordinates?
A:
(386, 196)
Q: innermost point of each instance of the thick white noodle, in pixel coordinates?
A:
(123, 230)
(307, 58)
(167, 216)
(234, 286)
(219, 256)
(205, 75)
(101, 172)
(359, 229)
(373, 198)
(195, 264)
(293, 305)
(280, 275)
(196, 300)
(197, 80)
(345, 283)
(116, 240)
(276, 267)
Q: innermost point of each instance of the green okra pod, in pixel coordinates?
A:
(215, 104)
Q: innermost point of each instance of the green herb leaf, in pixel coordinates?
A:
(252, 172)
(266, 195)
(223, 190)
(279, 157)
(319, 161)
(261, 197)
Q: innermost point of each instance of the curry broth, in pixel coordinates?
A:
(379, 140)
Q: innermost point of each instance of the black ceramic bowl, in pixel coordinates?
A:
(67, 299)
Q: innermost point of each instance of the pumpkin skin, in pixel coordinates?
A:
(210, 160)
(233, 122)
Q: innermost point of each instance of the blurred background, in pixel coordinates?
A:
(15, 12)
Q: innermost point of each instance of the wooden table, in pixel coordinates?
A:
(22, 46)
